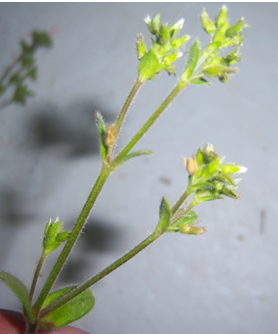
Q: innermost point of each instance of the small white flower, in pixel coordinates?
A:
(148, 19)
(178, 25)
(179, 54)
(242, 169)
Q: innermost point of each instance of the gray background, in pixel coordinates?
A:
(222, 282)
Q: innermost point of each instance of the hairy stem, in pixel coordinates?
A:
(127, 104)
(104, 173)
(152, 119)
(102, 274)
(36, 275)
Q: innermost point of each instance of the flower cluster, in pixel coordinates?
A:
(222, 36)
(211, 179)
(165, 48)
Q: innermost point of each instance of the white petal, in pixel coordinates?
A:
(242, 169)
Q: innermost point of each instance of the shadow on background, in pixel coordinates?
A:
(75, 128)
(43, 132)
(97, 237)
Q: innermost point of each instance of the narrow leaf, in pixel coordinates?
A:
(165, 215)
(102, 135)
(20, 290)
(130, 156)
(193, 57)
(73, 310)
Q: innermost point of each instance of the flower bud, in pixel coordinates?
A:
(141, 47)
(207, 24)
(188, 229)
(191, 165)
(111, 135)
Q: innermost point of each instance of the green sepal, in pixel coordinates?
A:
(102, 135)
(222, 17)
(178, 42)
(236, 29)
(164, 35)
(148, 66)
(189, 218)
(53, 237)
(203, 196)
(165, 215)
(141, 47)
(207, 24)
(230, 169)
(153, 25)
(200, 81)
(73, 310)
(20, 291)
(193, 57)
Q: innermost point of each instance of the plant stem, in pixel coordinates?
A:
(127, 104)
(138, 84)
(104, 173)
(31, 328)
(9, 68)
(102, 274)
(181, 200)
(36, 275)
(152, 119)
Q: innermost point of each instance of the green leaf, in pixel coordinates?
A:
(32, 73)
(21, 93)
(200, 81)
(73, 310)
(148, 66)
(165, 215)
(27, 61)
(41, 39)
(20, 290)
(189, 218)
(102, 135)
(130, 156)
(194, 55)
(16, 78)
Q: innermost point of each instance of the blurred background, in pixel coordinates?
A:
(222, 282)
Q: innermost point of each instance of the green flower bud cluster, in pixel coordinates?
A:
(222, 36)
(213, 179)
(208, 180)
(165, 49)
(23, 68)
(53, 237)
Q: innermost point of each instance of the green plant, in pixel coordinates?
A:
(13, 80)
(209, 178)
